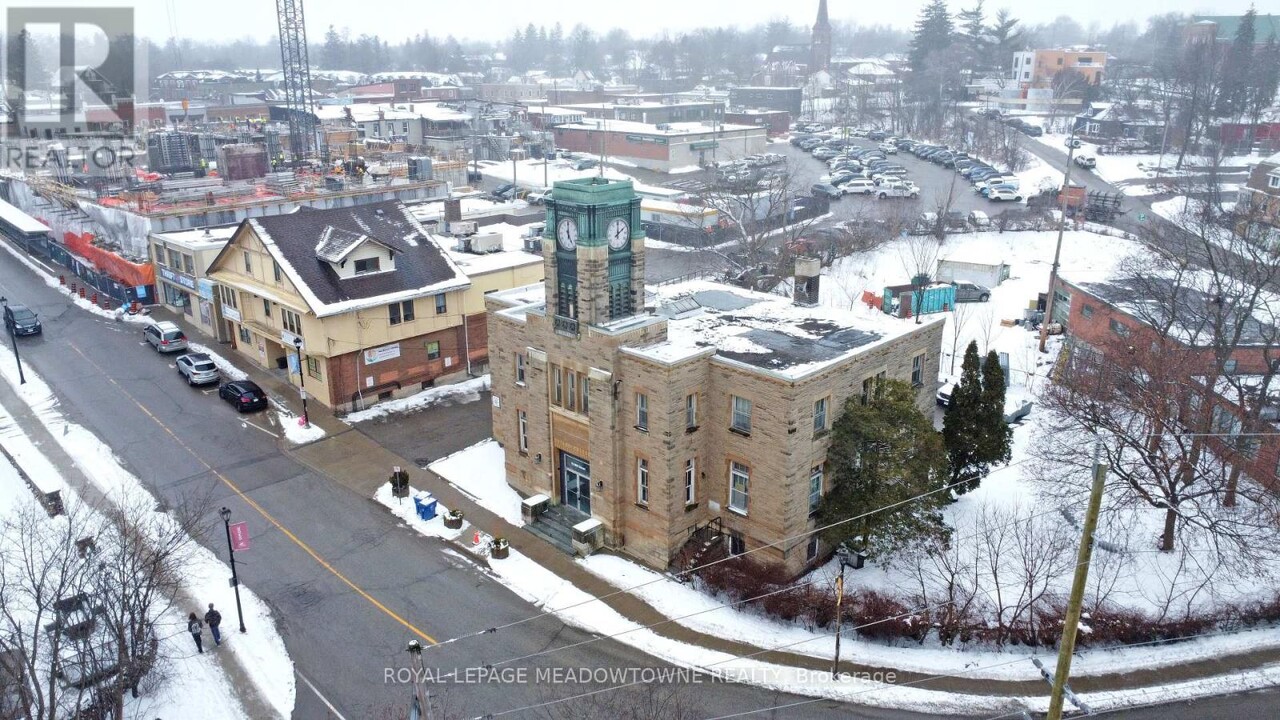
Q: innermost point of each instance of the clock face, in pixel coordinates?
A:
(619, 233)
(567, 233)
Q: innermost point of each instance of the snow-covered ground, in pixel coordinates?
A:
(295, 431)
(194, 685)
(480, 472)
(261, 652)
(463, 392)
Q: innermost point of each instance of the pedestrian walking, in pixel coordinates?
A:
(213, 619)
(196, 628)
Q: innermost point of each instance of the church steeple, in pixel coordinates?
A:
(820, 43)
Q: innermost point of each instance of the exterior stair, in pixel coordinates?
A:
(555, 525)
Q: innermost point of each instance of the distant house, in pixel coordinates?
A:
(1037, 68)
(1262, 191)
(1112, 121)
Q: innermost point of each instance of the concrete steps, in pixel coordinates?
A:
(555, 525)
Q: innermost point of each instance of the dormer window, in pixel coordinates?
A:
(367, 265)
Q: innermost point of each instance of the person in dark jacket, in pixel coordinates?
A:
(213, 619)
(196, 628)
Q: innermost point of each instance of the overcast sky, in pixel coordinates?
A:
(497, 19)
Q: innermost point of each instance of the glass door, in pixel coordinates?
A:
(575, 482)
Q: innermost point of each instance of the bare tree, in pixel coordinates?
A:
(919, 256)
(959, 318)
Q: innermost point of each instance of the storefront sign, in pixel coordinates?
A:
(292, 341)
(178, 278)
(704, 145)
(230, 313)
(206, 288)
(378, 354)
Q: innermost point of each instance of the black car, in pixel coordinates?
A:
(245, 395)
(876, 135)
(19, 320)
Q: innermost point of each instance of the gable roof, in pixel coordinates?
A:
(295, 240)
(336, 244)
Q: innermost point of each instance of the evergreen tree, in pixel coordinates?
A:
(1233, 90)
(962, 425)
(973, 30)
(334, 51)
(1264, 78)
(933, 33)
(997, 436)
(1006, 38)
(883, 453)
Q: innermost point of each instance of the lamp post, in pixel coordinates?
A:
(842, 552)
(225, 512)
(302, 382)
(22, 377)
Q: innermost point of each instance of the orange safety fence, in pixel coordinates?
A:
(123, 271)
(872, 299)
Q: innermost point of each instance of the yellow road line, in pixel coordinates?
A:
(261, 511)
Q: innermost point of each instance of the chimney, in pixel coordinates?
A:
(808, 272)
(453, 210)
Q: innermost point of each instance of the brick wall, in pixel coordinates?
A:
(589, 141)
(396, 377)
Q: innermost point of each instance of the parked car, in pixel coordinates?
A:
(1032, 130)
(888, 148)
(827, 189)
(898, 190)
(971, 292)
(538, 197)
(1072, 142)
(165, 337)
(1088, 162)
(197, 368)
(244, 395)
(979, 219)
(19, 320)
(1000, 194)
(944, 393)
(585, 164)
(840, 177)
(858, 186)
(876, 135)
(824, 153)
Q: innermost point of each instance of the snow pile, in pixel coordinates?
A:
(228, 370)
(262, 651)
(405, 509)
(480, 472)
(458, 393)
(294, 430)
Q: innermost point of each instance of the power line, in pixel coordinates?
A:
(682, 573)
(720, 606)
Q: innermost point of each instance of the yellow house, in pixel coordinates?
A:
(365, 300)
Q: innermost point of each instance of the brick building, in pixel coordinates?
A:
(1111, 315)
(383, 307)
(774, 122)
(648, 413)
(662, 147)
(1261, 193)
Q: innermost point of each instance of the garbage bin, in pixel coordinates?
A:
(425, 504)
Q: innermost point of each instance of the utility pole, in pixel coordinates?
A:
(422, 699)
(842, 552)
(1067, 644)
(1057, 251)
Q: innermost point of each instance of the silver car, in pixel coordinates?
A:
(198, 369)
(165, 337)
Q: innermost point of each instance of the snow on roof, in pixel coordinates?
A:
(764, 332)
(512, 255)
(668, 129)
(196, 237)
(19, 220)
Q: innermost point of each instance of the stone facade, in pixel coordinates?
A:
(638, 420)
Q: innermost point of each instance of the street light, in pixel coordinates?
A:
(225, 512)
(22, 377)
(302, 382)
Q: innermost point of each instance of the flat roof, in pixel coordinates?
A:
(670, 129)
(763, 331)
(512, 255)
(20, 221)
(199, 237)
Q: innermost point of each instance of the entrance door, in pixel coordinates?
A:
(575, 482)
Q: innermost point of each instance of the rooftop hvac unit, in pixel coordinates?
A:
(462, 227)
(484, 244)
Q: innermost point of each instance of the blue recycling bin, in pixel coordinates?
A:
(425, 504)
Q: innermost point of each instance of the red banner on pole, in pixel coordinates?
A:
(240, 536)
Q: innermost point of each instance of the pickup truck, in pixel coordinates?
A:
(1087, 162)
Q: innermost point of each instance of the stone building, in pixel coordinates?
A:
(650, 414)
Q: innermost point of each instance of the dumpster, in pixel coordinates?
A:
(425, 504)
(901, 300)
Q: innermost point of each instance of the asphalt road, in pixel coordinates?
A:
(183, 442)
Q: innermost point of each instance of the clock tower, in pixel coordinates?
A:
(593, 252)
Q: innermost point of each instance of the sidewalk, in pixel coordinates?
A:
(240, 682)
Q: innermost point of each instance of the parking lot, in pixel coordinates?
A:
(934, 181)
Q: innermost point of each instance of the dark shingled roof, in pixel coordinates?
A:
(297, 236)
